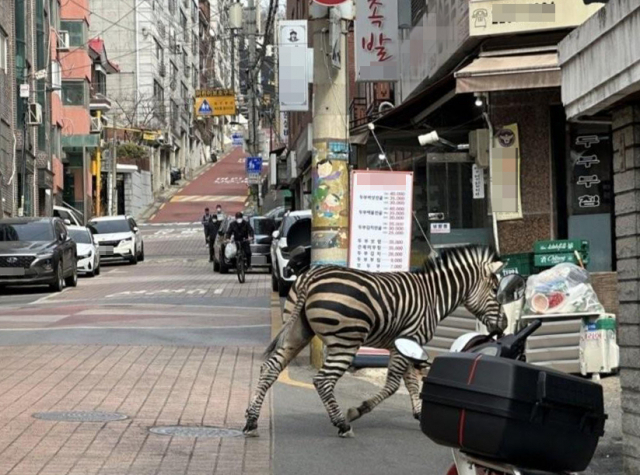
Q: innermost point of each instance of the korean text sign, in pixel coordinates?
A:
(376, 40)
(380, 225)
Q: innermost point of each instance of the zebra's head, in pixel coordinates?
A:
(481, 298)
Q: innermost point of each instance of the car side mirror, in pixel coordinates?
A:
(67, 221)
(135, 229)
(275, 234)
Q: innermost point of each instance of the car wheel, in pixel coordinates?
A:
(72, 280)
(283, 287)
(141, 258)
(216, 265)
(133, 259)
(274, 282)
(97, 270)
(58, 281)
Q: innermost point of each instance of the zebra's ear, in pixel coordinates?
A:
(494, 267)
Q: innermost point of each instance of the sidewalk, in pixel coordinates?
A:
(152, 386)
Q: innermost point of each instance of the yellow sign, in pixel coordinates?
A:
(499, 17)
(150, 136)
(215, 102)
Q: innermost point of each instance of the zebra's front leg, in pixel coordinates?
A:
(412, 382)
(269, 372)
(397, 367)
(335, 365)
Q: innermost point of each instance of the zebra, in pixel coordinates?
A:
(348, 308)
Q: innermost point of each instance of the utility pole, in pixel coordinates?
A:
(112, 172)
(24, 95)
(329, 225)
(254, 117)
(99, 169)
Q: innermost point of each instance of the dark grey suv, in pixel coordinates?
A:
(36, 251)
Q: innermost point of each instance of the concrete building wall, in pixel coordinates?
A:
(530, 110)
(7, 111)
(137, 192)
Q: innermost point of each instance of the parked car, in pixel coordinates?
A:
(118, 237)
(175, 174)
(277, 214)
(282, 244)
(67, 215)
(86, 249)
(263, 229)
(37, 251)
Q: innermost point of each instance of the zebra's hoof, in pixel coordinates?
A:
(250, 429)
(353, 414)
(348, 434)
(416, 416)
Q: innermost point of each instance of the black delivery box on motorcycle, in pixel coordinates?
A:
(505, 410)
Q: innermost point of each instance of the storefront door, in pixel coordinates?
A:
(455, 216)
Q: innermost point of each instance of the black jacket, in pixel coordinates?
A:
(213, 225)
(240, 231)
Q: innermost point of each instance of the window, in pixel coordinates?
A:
(41, 39)
(54, 11)
(4, 51)
(41, 85)
(158, 92)
(74, 93)
(77, 31)
(185, 60)
(99, 82)
(185, 91)
(183, 23)
(194, 78)
(159, 51)
(21, 44)
(172, 6)
(194, 46)
(56, 76)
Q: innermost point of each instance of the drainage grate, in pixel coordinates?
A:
(195, 431)
(80, 416)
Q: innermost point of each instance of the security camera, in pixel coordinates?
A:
(429, 139)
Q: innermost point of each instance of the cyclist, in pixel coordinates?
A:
(242, 232)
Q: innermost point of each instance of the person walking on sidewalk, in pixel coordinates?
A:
(214, 226)
(205, 224)
(242, 232)
(219, 213)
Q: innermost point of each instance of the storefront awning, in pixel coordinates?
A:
(80, 141)
(503, 73)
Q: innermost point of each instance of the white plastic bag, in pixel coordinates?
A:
(230, 250)
(564, 288)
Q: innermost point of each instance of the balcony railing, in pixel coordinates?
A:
(358, 112)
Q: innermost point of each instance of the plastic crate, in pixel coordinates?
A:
(519, 264)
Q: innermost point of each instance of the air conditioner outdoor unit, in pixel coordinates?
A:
(63, 40)
(35, 114)
(96, 125)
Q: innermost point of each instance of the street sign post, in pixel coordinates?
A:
(215, 102)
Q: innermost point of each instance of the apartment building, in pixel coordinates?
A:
(157, 47)
(7, 108)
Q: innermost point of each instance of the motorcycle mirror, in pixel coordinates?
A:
(510, 289)
(411, 349)
(298, 251)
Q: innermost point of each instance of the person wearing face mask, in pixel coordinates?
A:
(205, 223)
(219, 213)
(213, 227)
(242, 232)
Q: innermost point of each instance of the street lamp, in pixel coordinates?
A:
(433, 138)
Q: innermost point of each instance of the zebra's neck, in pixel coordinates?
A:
(448, 283)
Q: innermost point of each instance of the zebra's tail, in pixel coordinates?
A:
(284, 331)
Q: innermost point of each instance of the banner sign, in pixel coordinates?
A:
(215, 102)
(506, 201)
(380, 225)
(376, 40)
(293, 69)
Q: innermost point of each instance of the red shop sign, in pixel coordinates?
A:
(330, 3)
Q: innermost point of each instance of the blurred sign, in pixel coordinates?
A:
(237, 138)
(336, 37)
(253, 165)
(380, 225)
(293, 68)
(215, 102)
(376, 40)
(329, 3)
(477, 179)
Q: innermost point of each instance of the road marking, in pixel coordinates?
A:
(162, 206)
(151, 218)
(218, 291)
(202, 198)
(46, 297)
(285, 379)
(147, 293)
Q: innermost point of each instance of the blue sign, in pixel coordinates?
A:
(237, 139)
(253, 165)
(205, 108)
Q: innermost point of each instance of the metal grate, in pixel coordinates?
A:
(195, 431)
(16, 261)
(80, 416)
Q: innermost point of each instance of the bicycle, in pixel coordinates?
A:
(241, 261)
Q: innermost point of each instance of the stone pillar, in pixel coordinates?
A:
(626, 168)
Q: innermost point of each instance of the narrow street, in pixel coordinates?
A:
(168, 342)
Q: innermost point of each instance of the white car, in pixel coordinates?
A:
(87, 250)
(118, 237)
(67, 215)
(280, 250)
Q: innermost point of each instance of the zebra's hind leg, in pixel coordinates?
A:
(397, 367)
(298, 336)
(336, 363)
(412, 382)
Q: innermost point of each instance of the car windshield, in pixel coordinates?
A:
(35, 231)
(262, 226)
(80, 236)
(110, 226)
(288, 222)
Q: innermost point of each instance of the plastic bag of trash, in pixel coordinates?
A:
(564, 288)
(230, 250)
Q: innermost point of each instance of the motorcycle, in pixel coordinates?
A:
(494, 349)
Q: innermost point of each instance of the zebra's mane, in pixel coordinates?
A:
(480, 254)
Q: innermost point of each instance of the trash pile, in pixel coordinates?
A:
(564, 288)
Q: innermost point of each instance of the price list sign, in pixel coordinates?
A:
(380, 226)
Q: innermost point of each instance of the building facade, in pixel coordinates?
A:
(8, 93)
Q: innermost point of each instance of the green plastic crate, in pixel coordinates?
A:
(519, 264)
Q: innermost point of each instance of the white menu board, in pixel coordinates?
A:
(380, 225)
